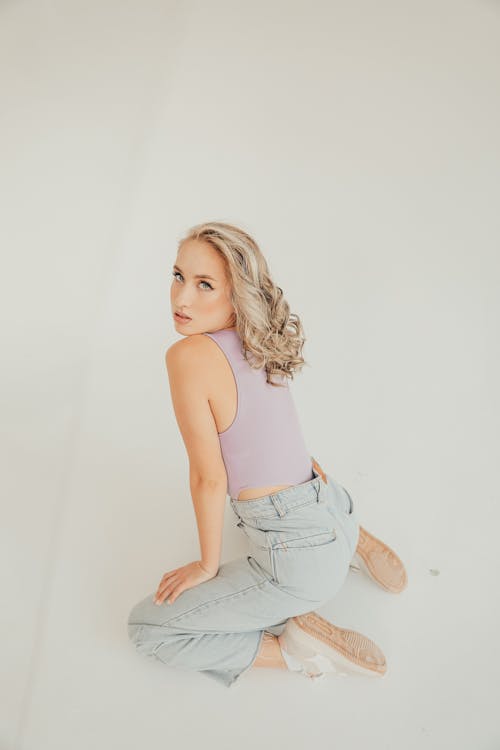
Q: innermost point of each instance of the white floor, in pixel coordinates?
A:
(359, 144)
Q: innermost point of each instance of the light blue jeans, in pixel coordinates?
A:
(301, 541)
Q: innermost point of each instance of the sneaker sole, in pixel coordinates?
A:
(370, 543)
(329, 638)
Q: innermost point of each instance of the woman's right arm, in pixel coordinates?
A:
(207, 472)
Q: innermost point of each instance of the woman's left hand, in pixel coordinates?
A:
(174, 582)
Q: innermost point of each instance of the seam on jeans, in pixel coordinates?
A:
(281, 586)
(226, 597)
(271, 581)
(254, 657)
(284, 590)
(273, 567)
(288, 510)
(283, 542)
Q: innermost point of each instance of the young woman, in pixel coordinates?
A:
(228, 379)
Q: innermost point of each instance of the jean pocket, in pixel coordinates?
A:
(284, 541)
(303, 566)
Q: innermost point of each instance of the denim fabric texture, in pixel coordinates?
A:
(300, 543)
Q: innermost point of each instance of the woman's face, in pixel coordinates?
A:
(206, 299)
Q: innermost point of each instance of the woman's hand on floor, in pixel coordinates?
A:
(174, 582)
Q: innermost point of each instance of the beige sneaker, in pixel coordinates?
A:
(313, 646)
(380, 562)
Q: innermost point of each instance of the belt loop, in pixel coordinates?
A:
(277, 504)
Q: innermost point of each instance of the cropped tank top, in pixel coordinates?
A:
(264, 444)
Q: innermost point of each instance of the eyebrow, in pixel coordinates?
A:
(198, 275)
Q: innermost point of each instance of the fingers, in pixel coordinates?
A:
(169, 594)
(169, 577)
(172, 596)
(166, 587)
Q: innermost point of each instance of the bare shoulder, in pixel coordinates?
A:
(186, 351)
(190, 388)
(193, 359)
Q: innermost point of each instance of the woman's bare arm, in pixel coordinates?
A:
(188, 372)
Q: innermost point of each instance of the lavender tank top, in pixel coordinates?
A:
(264, 443)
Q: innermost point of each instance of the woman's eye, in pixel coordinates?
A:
(178, 273)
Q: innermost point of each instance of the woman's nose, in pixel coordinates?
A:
(183, 299)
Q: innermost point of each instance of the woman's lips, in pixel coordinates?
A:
(180, 319)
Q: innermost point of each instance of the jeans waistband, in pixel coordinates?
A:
(279, 503)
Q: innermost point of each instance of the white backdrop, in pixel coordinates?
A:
(358, 143)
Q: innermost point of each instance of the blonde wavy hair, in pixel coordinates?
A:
(271, 335)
